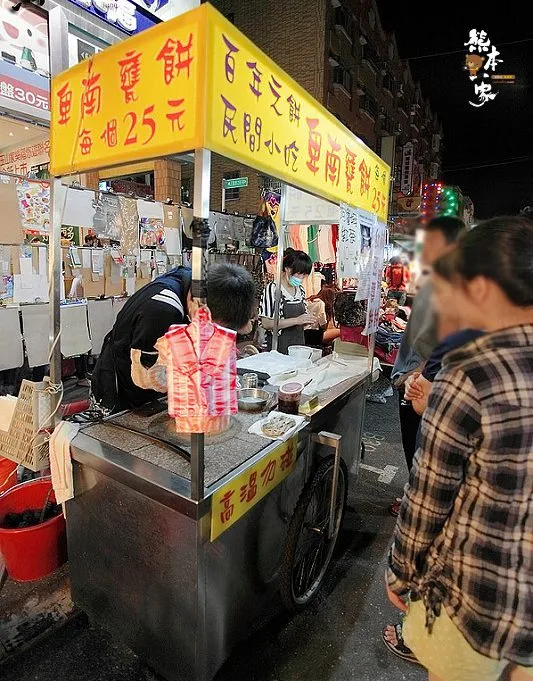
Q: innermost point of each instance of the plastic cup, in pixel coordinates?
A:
(289, 397)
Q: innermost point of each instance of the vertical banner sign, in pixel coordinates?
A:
(408, 158)
(366, 222)
(349, 248)
(379, 237)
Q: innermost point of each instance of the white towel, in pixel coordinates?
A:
(60, 461)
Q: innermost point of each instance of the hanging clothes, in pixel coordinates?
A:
(294, 237)
(312, 240)
(202, 375)
(327, 253)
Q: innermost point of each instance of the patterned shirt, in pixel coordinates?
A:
(465, 529)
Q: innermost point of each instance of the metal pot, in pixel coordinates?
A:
(252, 399)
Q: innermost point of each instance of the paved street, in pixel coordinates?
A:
(338, 638)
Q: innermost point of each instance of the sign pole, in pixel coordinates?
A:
(200, 226)
(59, 61)
(223, 195)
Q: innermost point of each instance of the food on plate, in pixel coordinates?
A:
(278, 426)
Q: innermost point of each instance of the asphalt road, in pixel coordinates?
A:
(336, 639)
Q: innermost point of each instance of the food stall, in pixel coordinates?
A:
(177, 543)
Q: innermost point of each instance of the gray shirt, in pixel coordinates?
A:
(420, 337)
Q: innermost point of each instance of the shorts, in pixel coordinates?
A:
(433, 650)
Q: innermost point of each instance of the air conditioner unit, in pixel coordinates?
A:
(383, 72)
(399, 129)
(333, 60)
(335, 3)
(362, 40)
(360, 90)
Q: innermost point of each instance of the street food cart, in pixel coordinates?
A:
(177, 543)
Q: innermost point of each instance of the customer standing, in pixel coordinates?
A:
(293, 313)
(463, 546)
(420, 337)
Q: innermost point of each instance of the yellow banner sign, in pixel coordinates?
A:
(195, 81)
(264, 119)
(237, 497)
(139, 99)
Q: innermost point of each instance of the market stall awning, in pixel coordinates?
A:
(197, 82)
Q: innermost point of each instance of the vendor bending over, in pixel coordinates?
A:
(120, 379)
(293, 312)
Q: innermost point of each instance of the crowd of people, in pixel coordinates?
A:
(461, 562)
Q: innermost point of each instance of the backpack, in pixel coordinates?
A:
(264, 233)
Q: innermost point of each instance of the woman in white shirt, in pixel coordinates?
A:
(293, 312)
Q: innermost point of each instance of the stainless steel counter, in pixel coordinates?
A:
(142, 561)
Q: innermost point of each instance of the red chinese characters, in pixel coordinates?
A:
(269, 472)
(175, 116)
(249, 490)
(86, 142)
(227, 507)
(350, 169)
(333, 162)
(314, 145)
(65, 103)
(130, 74)
(110, 136)
(176, 58)
(287, 459)
(365, 178)
(91, 98)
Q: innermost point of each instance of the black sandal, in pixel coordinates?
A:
(400, 649)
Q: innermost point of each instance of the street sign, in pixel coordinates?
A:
(236, 183)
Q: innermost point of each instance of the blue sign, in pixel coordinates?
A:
(130, 16)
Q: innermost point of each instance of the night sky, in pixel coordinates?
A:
(499, 131)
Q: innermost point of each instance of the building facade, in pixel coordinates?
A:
(338, 51)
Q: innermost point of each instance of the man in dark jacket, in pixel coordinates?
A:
(147, 316)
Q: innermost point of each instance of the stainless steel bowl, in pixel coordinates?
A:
(252, 399)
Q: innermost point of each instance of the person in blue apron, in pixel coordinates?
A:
(147, 316)
(293, 313)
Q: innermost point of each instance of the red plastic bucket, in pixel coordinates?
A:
(8, 474)
(32, 552)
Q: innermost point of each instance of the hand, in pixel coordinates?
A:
(306, 320)
(413, 391)
(396, 601)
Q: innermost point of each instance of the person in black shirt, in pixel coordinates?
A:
(147, 316)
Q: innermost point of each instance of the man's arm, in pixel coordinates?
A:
(448, 427)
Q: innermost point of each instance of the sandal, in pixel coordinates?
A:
(400, 649)
(394, 509)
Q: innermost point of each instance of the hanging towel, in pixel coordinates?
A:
(60, 461)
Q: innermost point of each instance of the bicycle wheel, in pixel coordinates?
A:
(309, 550)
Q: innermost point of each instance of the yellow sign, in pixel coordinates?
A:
(259, 116)
(196, 81)
(232, 501)
(139, 99)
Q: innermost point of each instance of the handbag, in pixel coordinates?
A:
(264, 233)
